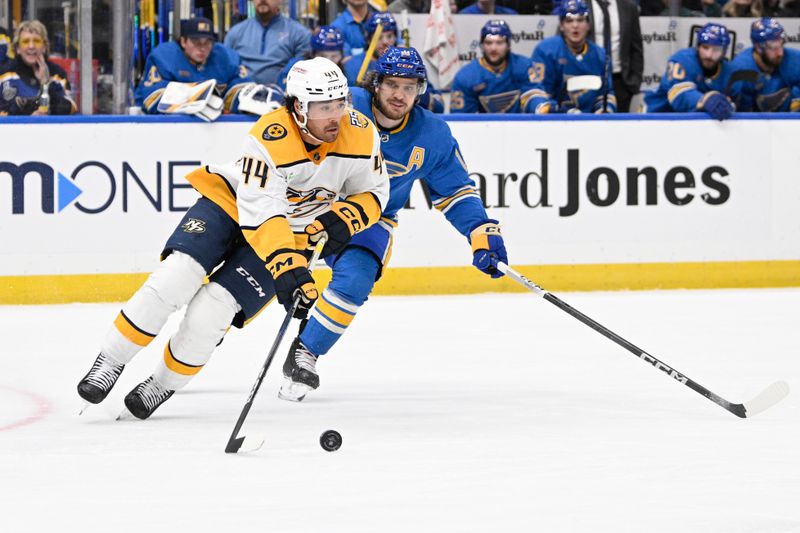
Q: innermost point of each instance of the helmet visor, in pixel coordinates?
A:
(331, 109)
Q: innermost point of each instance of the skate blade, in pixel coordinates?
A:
(293, 392)
(86, 405)
(126, 415)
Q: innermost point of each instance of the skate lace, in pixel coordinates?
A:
(305, 359)
(152, 393)
(104, 372)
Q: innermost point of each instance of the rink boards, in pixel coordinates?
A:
(585, 203)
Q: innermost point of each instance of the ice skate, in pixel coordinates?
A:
(143, 400)
(300, 373)
(95, 386)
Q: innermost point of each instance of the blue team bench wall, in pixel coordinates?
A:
(455, 117)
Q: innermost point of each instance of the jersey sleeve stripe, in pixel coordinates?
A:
(446, 203)
(678, 89)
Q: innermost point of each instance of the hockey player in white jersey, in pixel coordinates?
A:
(311, 168)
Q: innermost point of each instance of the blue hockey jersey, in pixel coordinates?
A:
(478, 88)
(554, 63)
(167, 63)
(684, 83)
(779, 91)
(422, 148)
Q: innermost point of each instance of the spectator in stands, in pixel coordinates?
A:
(693, 8)
(268, 41)
(30, 84)
(696, 78)
(766, 77)
(743, 8)
(487, 7)
(620, 36)
(328, 42)
(352, 23)
(499, 81)
(196, 58)
(570, 57)
(388, 38)
(412, 6)
(5, 42)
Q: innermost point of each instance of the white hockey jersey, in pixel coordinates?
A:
(277, 187)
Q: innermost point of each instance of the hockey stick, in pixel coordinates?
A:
(766, 399)
(249, 444)
(368, 55)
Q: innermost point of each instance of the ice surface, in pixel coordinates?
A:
(463, 413)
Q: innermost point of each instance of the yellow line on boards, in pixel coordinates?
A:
(87, 288)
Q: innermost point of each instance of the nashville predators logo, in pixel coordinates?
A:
(194, 225)
(273, 132)
(307, 203)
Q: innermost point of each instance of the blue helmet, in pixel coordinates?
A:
(574, 8)
(496, 27)
(329, 39)
(766, 29)
(714, 34)
(385, 19)
(402, 63)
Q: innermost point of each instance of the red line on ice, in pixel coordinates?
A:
(42, 408)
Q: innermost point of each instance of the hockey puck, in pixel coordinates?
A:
(330, 440)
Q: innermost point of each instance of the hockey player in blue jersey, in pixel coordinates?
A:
(559, 58)
(197, 58)
(498, 82)
(388, 38)
(696, 78)
(768, 74)
(416, 145)
(328, 42)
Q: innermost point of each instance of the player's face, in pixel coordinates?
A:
(495, 49)
(197, 48)
(709, 55)
(772, 52)
(388, 38)
(333, 55)
(31, 47)
(356, 3)
(267, 7)
(396, 96)
(324, 117)
(575, 28)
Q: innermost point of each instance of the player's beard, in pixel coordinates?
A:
(496, 63)
(390, 112)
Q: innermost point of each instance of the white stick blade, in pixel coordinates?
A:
(768, 397)
(588, 82)
(251, 444)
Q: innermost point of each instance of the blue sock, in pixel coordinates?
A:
(353, 278)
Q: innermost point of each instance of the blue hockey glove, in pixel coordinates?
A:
(717, 105)
(488, 247)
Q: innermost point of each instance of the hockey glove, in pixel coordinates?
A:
(259, 99)
(488, 247)
(199, 99)
(293, 281)
(717, 105)
(339, 224)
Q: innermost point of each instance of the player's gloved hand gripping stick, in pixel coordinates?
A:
(245, 443)
(766, 399)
